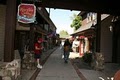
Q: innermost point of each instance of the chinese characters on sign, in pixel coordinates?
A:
(26, 13)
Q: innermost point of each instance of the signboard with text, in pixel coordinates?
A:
(26, 13)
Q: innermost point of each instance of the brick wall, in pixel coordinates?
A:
(2, 30)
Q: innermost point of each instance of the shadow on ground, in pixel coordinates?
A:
(81, 64)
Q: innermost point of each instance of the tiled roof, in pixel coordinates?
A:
(85, 27)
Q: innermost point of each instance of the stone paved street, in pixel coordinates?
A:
(55, 69)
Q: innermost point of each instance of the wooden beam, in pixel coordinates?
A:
(32, 36)
(98, 32)
(10, 25)
(101, 6)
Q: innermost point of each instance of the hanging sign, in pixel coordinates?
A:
(26, 13)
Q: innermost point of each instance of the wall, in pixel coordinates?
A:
(106, 39)
(2, 29)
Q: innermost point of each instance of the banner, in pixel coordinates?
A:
(52, 34)
(26, 13)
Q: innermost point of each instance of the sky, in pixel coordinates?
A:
(62, 19)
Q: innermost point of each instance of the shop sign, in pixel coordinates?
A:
(26, 13)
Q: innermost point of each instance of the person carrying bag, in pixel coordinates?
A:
(67, 47)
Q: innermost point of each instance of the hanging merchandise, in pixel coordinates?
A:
(26, 13)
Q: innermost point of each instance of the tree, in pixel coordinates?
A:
(76, 23)
(63, 34)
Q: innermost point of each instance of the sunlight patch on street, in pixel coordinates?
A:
(74, 55)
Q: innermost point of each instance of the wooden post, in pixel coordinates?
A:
(31, 37)
(98, 32)
(10, 25)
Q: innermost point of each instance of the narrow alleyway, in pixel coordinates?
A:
(56, 69)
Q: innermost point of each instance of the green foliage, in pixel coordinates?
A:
(63, 34)
(76, 23)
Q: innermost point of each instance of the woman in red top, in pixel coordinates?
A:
(38, 51)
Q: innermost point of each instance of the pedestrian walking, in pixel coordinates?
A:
(38, 51)
(67, 47)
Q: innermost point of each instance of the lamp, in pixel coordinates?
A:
(111, 28)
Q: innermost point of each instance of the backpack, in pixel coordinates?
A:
(66, 48)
